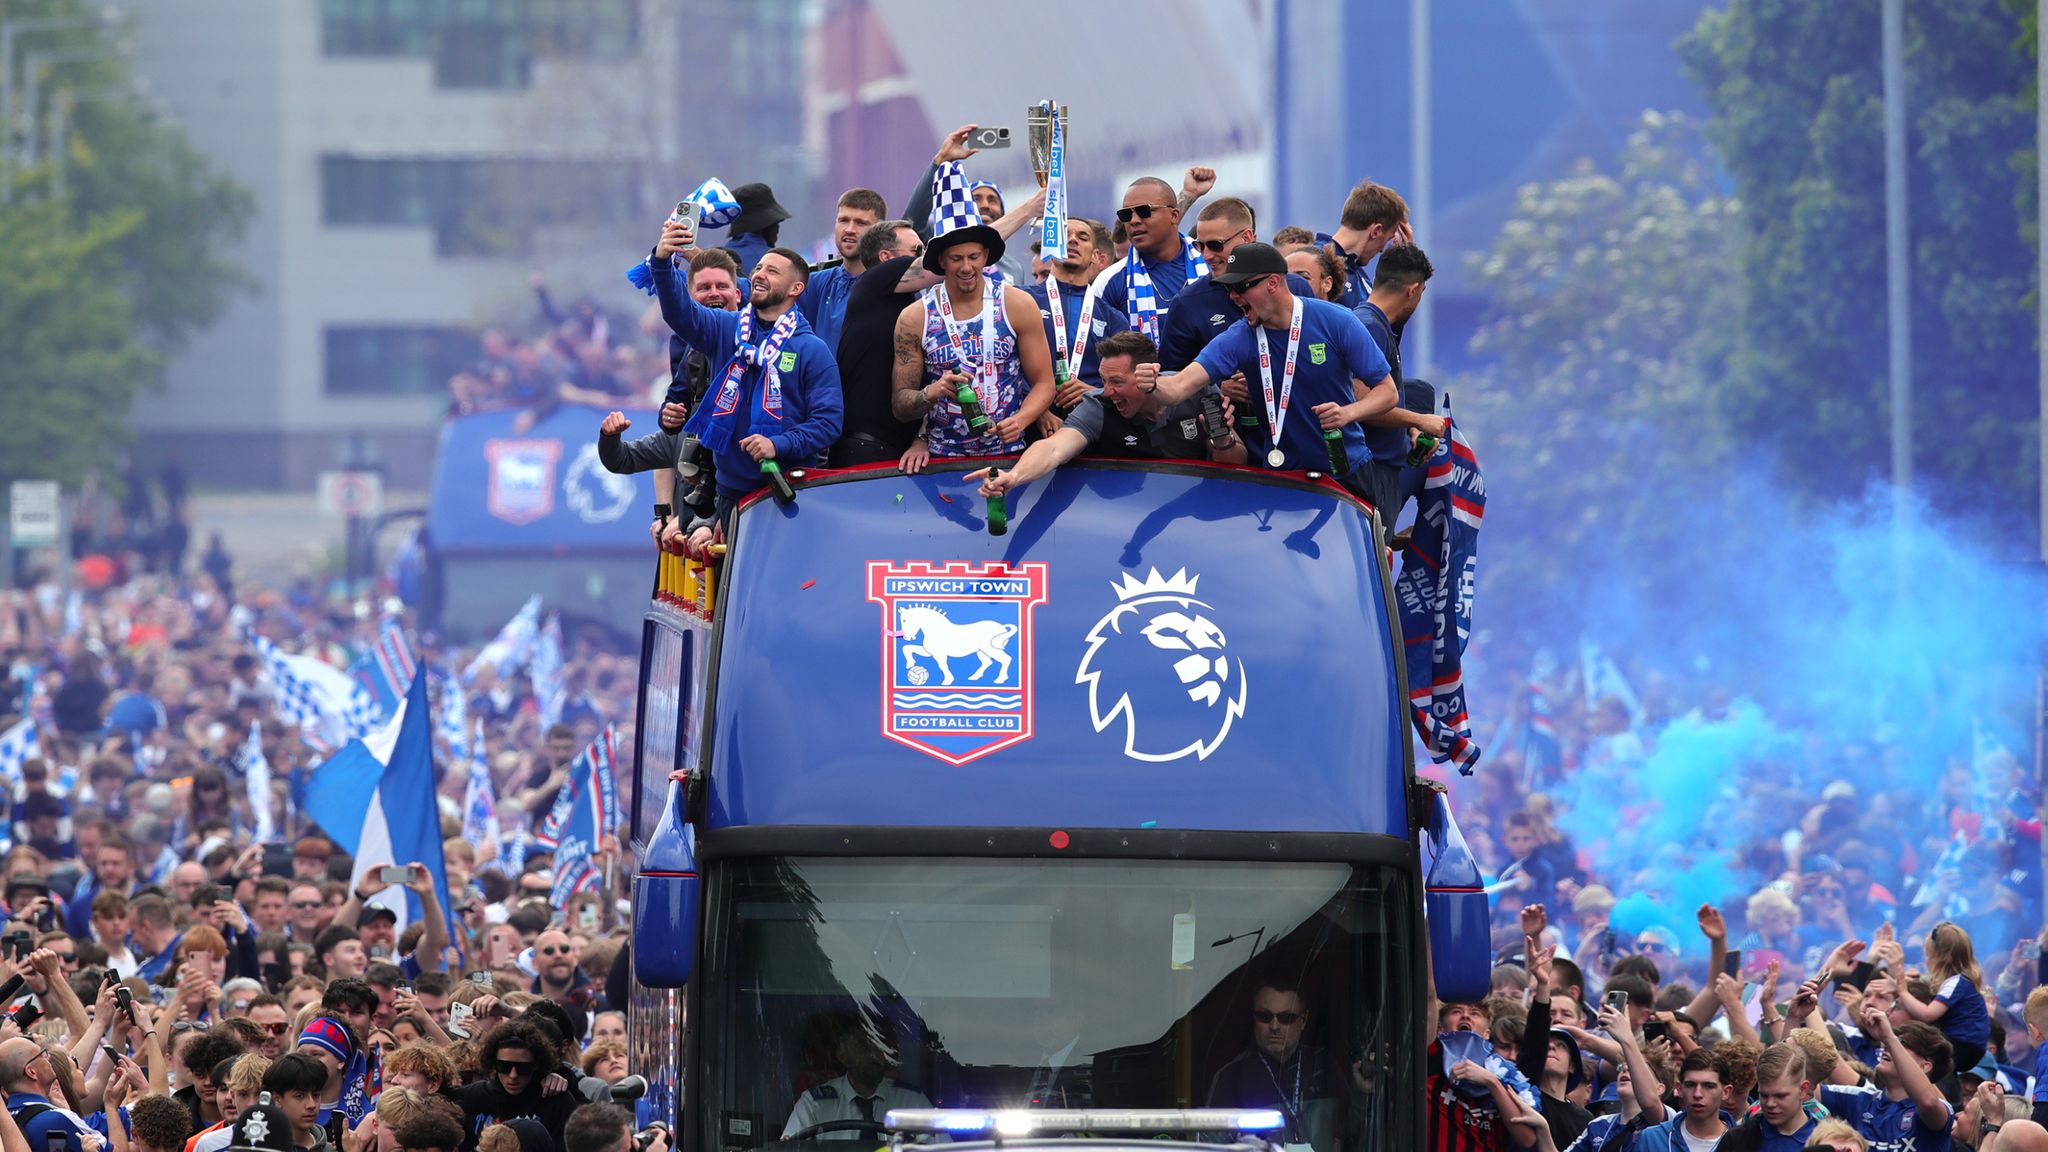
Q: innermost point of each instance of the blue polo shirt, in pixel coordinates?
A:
(1106, 321)
(823, 302)
(1204, 311)
(1334, 351)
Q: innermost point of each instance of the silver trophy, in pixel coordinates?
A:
(1038, 132)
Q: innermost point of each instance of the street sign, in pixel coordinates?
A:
(351, 494)
(34, 519)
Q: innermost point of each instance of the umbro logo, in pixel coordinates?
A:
(1130, 441)
(1219, 319)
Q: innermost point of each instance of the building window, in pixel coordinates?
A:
(475, 207)
(395, 359)
(481, 43)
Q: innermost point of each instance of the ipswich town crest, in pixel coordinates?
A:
(522, 479)
(956, 654)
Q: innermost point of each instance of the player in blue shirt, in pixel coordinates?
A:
(1204, 309)
(1160, 261)
(1374, 218)
(1309, 365)
(824, 300)
(1087, 319)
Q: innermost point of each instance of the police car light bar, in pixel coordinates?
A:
(1055, 1121)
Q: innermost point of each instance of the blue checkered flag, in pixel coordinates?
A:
(545, 670)
(716, 208)
(479, 800)
(329, 706)
(451, 713)
(715, 203)
(17, 744)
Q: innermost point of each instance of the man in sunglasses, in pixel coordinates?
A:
(1311, 368)
(1160, 261)
(29, 1078)
(1278, 1070)
(558, 976)
(1205, 309)
(515, 1057)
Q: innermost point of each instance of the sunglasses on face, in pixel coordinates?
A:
(515, 1067)
(1215, 247)
(277, 1029)
(1241, 289)
(562, 950)
(307, 905)
(1652, 946)
(1140, 211)
(1288, 1019)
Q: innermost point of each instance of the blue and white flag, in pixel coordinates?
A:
(716, 208)
(329, 706)
(375, 797)
(1052, 237)
(451, 716)
(587, 808)
(573, 875)
(17, 744)
(510, 649)
(480, 800)
(1435, 588)
(511, 859)
(386, 668)
(545, 669)
(1542, 757)
(256, 777)
(1604, 678)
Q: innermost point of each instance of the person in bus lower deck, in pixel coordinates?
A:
(865, 1091)
(1279, 1071)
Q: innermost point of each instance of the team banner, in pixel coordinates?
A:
(587, 808)
(1435, 593)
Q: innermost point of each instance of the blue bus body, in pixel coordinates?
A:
(908, 788)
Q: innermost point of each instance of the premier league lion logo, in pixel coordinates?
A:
(1158, 661)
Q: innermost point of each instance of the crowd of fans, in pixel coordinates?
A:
(185, 975)
(1861, 970)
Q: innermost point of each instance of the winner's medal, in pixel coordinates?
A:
(1276, 406)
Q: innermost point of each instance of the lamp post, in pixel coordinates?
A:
(10, 31)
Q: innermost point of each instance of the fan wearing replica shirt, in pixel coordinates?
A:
(1160, 261)
(1311, 366)
(1904, 1111)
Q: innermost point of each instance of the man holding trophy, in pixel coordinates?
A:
(1077, 319)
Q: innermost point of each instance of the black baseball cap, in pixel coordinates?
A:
(1251, 261)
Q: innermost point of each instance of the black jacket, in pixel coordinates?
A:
(484, 1104)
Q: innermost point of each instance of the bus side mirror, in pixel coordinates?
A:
(1454, 904)
(665, 895)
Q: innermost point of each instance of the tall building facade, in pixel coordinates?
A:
(414, 162)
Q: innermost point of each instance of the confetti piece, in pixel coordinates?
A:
(1149, 824)
(809, 583)
(899, 497)
(946, 498)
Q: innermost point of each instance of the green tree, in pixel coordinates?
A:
(1605, 402)
(1796, 95)
(135, 253)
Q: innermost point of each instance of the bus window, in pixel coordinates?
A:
(852, 986)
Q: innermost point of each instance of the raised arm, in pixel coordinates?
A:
(1927, 1099)
(1642, 1082)
(700, 327)
(431, 952)
(1715, 929)
(1173, 387)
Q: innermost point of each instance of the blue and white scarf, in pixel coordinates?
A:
(713, 423)
(1143, 298)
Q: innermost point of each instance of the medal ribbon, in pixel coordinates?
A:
(983, 375)
(1059, 326)
(1276, 414)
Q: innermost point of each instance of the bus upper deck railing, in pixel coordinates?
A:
(687, 579)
